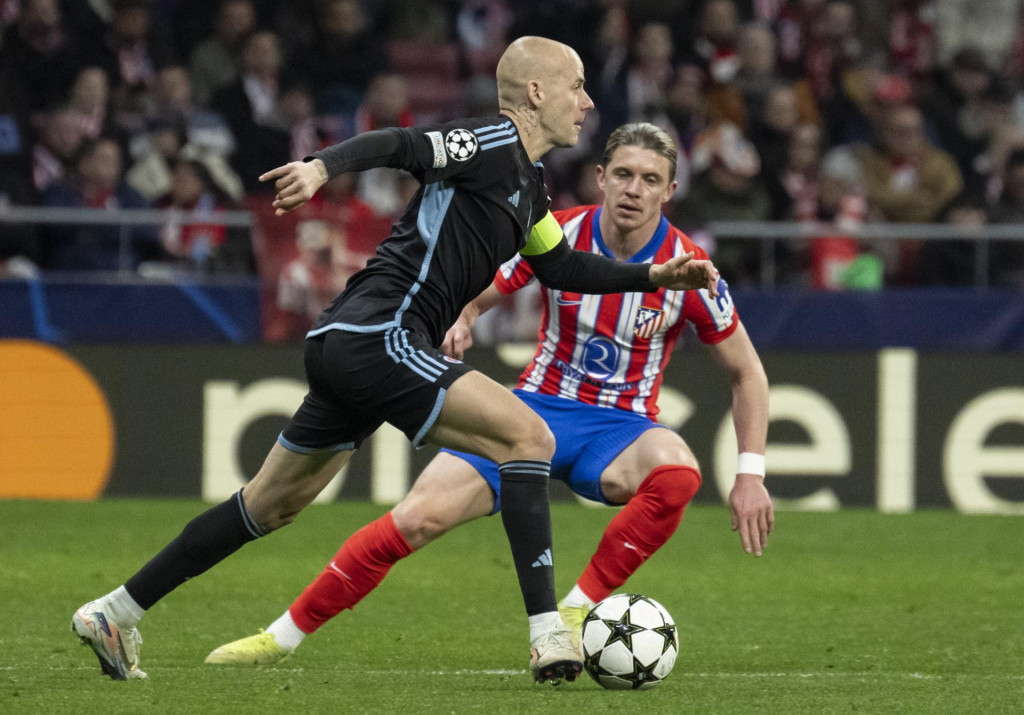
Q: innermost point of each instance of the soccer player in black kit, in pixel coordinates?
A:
(373, 356)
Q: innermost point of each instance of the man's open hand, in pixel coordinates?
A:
(752, 512)
(295, 183)
(684, 273)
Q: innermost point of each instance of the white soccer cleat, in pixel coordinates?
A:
(260, 649)
(553, 657)
(117, 648)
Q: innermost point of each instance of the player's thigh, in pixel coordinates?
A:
(482, 417)
(654, 448)
(288, 481)
(449, 492)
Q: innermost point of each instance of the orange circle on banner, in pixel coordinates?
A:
(56, 429)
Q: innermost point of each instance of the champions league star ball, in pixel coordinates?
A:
(460, 144)
(629, 642)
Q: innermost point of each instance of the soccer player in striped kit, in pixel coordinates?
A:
(594, 379)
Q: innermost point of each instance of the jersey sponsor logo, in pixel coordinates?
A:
(648, 322)
(569, 371)
(461, 145)
(437, 143)
(600, 357)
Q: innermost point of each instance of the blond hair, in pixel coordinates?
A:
(646, 136)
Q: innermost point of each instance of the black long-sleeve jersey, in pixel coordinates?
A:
(480, 197)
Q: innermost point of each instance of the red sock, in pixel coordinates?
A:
(360, 565)
(636, 532)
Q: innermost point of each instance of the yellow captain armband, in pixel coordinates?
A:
(545, 235)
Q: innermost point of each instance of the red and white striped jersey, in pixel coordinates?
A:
(611, 350)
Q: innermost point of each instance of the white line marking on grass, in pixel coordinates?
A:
(866, 674)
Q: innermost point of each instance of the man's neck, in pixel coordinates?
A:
(625, 244)
(530, 133)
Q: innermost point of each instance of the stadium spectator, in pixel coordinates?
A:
(343, 57)
(1007, 258)
(906, 178)
(250, 107)
(742, 101)
(133, 50)
(912, 38)
(725, 188)
(714, 47)
(463, 232)
(210, 246)
(952, 263)
(60, 138)
(955, 108)
(43, 53)
(90, 98)
(305, 286)
(794, 186)
(171, 100)
(96, 183)
(608, 447)
(650, 72)
(214, 63)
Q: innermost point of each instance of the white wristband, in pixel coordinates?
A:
(750, 463)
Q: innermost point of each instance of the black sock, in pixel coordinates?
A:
(526, 514)
(206, 540)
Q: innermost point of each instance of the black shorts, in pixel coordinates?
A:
(358, 381)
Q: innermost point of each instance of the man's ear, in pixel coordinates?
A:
(534, 93)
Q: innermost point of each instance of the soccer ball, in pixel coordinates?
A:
(629, 642)
(460, 144)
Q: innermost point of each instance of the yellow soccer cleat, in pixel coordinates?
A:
(572, 618)
(260, 649)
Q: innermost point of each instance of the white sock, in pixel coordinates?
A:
(577, 598)
(286, 633)
(121, 608)
(543, 623)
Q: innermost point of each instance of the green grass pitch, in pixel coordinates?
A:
(847, 612)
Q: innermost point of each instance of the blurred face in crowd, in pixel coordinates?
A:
(187, 184)
(40, 14)
(840, 20)
(343, 18)
(296, 105)
(100, 168)
(720, 22)
(236, 20)
(903, 134)
(90, 90)
(636, 182)
(62, 134)
(387, 97)
(173, 88)
(804, 147)
(780, 109)
(756, 49)
(132, 23)
(653, 44)
(685, 95)
(262, 55)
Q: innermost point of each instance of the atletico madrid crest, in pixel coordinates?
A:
(648, 322)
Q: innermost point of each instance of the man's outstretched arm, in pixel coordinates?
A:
(558, 266)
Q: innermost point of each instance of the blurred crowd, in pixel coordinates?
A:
(836, 112)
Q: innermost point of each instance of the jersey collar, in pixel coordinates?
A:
(641, 256)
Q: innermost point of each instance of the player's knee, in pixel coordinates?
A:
(533, 440)
(418, 525)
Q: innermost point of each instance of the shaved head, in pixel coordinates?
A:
(531, 59)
